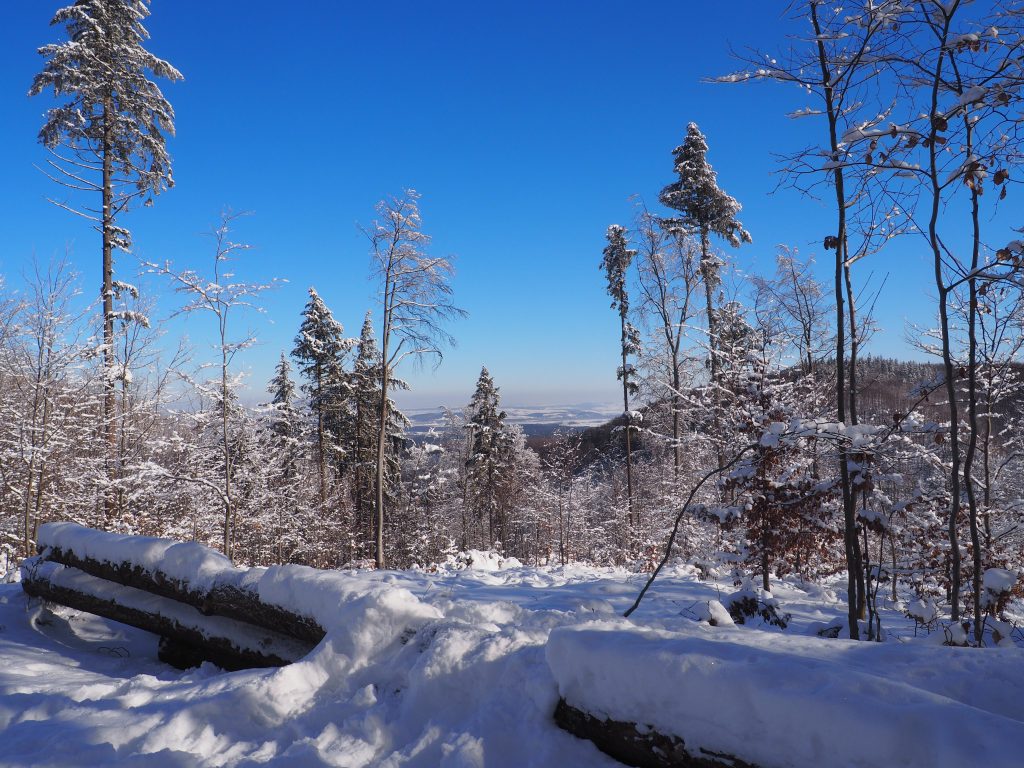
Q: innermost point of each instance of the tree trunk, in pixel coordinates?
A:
(633, 521)
(382, 435)
(947, 355)
(107, 232)
(972, 405)
(850, 539)
(638, 744)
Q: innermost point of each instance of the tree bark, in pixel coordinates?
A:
(637, 744)
(107, 232)
(850, 540)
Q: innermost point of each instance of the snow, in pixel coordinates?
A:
(188, 562)
(463, 666)
(999, 580)
(790, 701)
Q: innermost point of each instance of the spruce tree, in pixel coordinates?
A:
(704, 209)
(282, 388)
(320, 347)
(107, 137)
(617, 258)
(487, 454)
(363, 433)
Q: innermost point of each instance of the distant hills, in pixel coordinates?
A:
(536, 420)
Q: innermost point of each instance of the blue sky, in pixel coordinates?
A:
(526, 126)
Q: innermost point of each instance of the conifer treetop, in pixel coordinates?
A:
(705, 208)
(101, 73)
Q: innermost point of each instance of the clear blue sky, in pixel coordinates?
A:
(526, 126)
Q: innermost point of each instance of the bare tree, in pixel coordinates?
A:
(668, 281)
(797, 299)
(221, 296)
(837, 65)
(414, 292)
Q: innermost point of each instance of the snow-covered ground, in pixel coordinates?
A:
(463, 667)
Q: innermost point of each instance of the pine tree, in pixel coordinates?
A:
(108, 137)
(617, 258)
(282, 388)
(487, 455)
(320, 347)
(706, 210)
(282, 454)
(362, 430)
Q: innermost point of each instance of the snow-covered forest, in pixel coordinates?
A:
(764, 449)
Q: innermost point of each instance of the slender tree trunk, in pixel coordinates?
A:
(226, 448)
(381, 438)
(947, 355)
(676, 385)
(972, 398)
(987, 468)
(382, 412)
(107, 231)
(765, 560)
(863, 577)
(850, 539)
(633, 518)
(709, 303)
(320, 438)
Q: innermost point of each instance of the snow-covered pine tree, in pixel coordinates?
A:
(281, 448)
(320, 348)
(282, 389)
(362, 432)
(617, 258)
(705, 210)
(487, 440)
(108, 136)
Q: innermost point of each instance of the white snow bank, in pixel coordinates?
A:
(777, 705)
(421, 670)
(999, 580)
(479, 560)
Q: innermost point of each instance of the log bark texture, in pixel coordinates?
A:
(639, 746)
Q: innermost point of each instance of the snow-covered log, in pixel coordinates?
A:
(776, 699)
(186, 572)
(638, 745)
(187, 633)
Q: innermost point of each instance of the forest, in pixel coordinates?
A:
(750, 429)
(763, 447)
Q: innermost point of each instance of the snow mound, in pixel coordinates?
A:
(479, 560)
(779, 706)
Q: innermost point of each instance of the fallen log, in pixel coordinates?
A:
(172, 569)
(189, 635)
(638, 745)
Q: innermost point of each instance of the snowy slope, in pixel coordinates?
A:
(452, 669)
